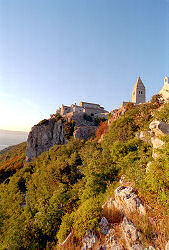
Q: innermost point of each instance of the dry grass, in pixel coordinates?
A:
(112, 214)
(153, 227)
(71, 244)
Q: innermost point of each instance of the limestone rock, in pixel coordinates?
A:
(89, 240)
(44, 136)
(144, 136)
(137, 247)
(111, 241)
(167, 246)
(149, 248)
(127, 201)
(157, 144)
(84, 132)
(131, 234)
(159, 128)
(149, 164)
(51, 131)
(104, 225)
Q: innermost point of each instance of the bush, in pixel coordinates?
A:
(87, 216)
(43, 122)
(58, 117)
(65, 227)
(157, 100)
(102, 129)
(69, 128)
(129, 106)
(87, 118)
(97, 120)
(163, 114)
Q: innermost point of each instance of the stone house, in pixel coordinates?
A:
(84, 107)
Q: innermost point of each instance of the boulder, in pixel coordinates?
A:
(127, 201)
(149, 248)
(131, 234)
(167, 246)
(144, 136)
(89, 240)
(111, 241)
(157, 144)
(159, 128)
(104, 225)
(84, 132)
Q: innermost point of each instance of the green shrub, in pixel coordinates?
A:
(69, 128)
(66, 226)
(58, 117)
(162, 114)
(43, 122)
(87, 117)
(97, 120)
(87, 216)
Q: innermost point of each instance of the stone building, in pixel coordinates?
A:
(138, 93)
(84, 107)
(165, 89)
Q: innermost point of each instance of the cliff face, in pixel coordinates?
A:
(44, 136)
(47, 133)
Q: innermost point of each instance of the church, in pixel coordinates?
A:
(138, 93)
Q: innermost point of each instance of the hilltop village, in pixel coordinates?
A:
(95, 110)
(84, 107)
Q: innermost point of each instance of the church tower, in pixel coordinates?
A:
(139, 93)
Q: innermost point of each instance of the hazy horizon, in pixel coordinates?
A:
(10, 138)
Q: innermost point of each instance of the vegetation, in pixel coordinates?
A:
(43, 122)
(63, 190)
(87, 117)
(97, 120)
(69, 128)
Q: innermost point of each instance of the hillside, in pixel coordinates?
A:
(107, 195)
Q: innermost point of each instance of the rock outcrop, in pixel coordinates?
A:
(159, 129)
(84, 132)
(127, 201)
(52, 131)
(121, 233)
(89, 240)
(44, 136)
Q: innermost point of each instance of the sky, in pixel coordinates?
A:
(65, 51)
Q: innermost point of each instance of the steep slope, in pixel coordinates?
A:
(67, 190)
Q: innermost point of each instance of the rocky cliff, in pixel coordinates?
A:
(44, 136)
(53, 131)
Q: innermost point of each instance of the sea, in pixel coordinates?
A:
(9, 138)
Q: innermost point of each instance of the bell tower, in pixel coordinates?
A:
(139, 93)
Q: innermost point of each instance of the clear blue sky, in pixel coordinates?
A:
(65, 51)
